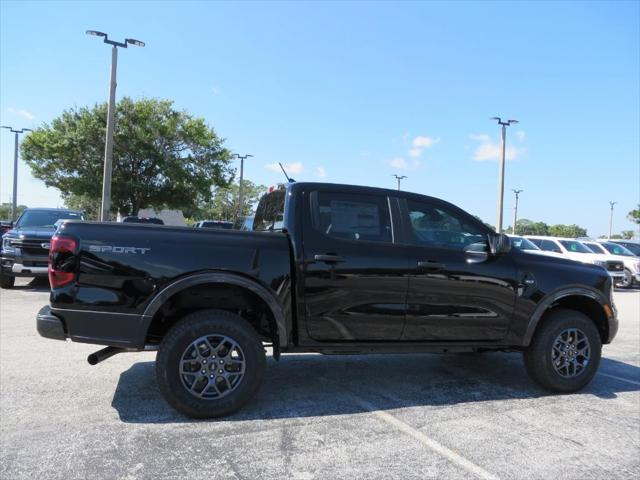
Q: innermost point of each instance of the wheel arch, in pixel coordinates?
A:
(219, 279)
(587, 301)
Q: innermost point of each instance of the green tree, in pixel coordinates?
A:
(5, 211)
(634, 215)
(525, 226)
(571, 231)
(162, 157)
(224, 204)
(89, 205)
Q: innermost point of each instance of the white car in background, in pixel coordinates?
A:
(526, 245)
(618, 252)
(576, 250)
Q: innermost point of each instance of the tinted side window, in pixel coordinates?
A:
(437, 227)
(550, 246)
(352, 216)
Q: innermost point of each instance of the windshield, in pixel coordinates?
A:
(523, 244)
(45, 218)
(270, 211)
(575, 246)
(618, 249)
(596, 248)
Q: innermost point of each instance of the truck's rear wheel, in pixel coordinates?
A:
(210, 364)
(6, 281)
(565, 352)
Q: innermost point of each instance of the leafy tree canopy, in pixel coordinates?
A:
(634, 215)
(5, 211)
(224, 204)
(529, 227)
(162, 157)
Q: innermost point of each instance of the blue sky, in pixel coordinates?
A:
(355, 92)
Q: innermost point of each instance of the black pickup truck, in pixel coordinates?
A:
(25, 245)
(334, 269)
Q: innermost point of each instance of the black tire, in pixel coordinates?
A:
(538, 356)
(627, 281)
(6, 281)
(209, 323)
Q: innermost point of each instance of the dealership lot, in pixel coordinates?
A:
(379, 416)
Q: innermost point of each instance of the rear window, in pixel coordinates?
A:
(352, 216)
(270, 211)
(596, 248)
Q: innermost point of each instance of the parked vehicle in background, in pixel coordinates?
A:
(526, 245)
(25, 248)
(329, 269)
(214, 224)
(633, 247)
(5, 226)
(151, 220)
(618, 252)
(576, 250)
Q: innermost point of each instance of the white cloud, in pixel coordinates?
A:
(415, 152)
(424, 142)
(22, 113)
(321, 172)
(291, 168)
(521, 135)
(420, 143)
(398, 162)
(490, 150)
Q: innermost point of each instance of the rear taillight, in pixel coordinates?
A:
(62, 261)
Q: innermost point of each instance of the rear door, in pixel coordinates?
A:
(355, 276)
(457, 290)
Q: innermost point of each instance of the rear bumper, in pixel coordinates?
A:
(49, 325)
(87, 326)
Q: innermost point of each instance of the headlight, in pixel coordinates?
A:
(6, 245)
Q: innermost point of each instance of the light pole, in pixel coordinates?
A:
(399, 178)
(515, 211)
(111, 110)
(501, 174)
(240, 192)
(611, 218)
(14, 201)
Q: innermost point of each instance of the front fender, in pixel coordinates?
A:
(564, 292)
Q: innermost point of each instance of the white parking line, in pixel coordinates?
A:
(619, 378)
(447, 453)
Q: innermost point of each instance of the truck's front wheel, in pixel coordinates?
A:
(210, 364)
(565, 352)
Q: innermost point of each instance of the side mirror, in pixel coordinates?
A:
(499, 244)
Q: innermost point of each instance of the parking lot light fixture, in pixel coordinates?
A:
(515, 211)
(611, 219)
(399, 178)
(501, 171)
(240, 191)
(111, 109)
(14, 198)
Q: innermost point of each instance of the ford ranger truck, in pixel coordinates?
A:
(330, 269)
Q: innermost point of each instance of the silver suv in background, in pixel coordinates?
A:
(631, 262)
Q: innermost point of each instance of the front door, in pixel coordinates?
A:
(457, 290)
(355, 276)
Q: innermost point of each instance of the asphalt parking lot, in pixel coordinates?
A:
(324, 417)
